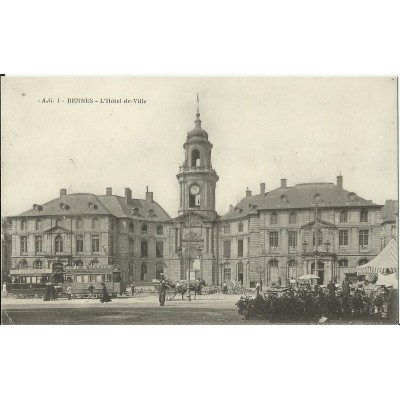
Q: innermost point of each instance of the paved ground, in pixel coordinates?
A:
(216, 309)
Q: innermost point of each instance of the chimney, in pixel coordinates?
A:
(262, 188)
(339, 181)
(108, 191)
(283, 183)
(63, 192)
(248, 192)
(149, 195)
(128, 195)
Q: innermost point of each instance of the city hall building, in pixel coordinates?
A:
(318, 228)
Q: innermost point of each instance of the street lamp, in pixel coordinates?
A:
(305, 245)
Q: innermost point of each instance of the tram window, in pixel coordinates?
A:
(98, 278)
(85, 278)
(79, 278)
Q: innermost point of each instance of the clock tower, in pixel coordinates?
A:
(197, 178)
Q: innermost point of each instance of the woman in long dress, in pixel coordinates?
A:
(105, 298)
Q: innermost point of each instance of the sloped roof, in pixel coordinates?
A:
(79, 204)
(386, 261)
(300, 196)
(390, 210)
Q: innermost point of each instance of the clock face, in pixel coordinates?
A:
(195, 189)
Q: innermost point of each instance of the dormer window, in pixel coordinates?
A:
(151, 214)
(64, 206)
(352, 196)
(135, 211)
(317, 198)
(37, 208)
(283, 199)
(92, 206)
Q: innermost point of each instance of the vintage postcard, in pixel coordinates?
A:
(199, 200)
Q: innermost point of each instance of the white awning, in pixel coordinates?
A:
(385, 262)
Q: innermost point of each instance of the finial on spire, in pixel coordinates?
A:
(198, 112)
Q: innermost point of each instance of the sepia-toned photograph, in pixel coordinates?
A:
(199, 200)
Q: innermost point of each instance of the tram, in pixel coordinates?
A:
(79, 282)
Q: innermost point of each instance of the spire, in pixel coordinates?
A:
(198, 120)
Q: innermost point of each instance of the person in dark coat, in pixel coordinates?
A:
(331, 288)
(161, 290)
(105, 298)
(47, 293)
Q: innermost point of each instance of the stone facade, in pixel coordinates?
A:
(268, 237)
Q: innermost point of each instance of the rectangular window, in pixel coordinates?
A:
(159, 249)
(343, 216)
(143, 248)
(38, 224)
(111, 251)
(363, 239)
(364, 216)
(79, 244)
(38, 244)
(292, 241)
(240, 227)
(273, 241)
(343, 238)
(95, 244)
(131, 247)
(227, 248)
(240, 248)
(24, 244)
(227, 229)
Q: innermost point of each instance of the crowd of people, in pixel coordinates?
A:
(307, 302)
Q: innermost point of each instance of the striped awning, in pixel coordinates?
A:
(385, 262)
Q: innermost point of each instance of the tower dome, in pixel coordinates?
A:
(197, 131)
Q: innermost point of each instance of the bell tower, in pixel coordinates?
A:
(196, 177)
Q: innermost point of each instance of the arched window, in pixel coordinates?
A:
(159, 270)
(343, 263)
(38, 224)
(131, 227)
(95, 223)
(159, 230)
(319, 234)
(23, 264)
(94, 263)
(78, 263)
(79, 223)
(293, 218)
(343, 216)
(59, 244)
(195, 158)
(23, 224)
(144, 228)
(38, 264)
(274, 218)
(143, 272)
(363, 261)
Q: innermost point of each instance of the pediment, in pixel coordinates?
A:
(196, 218)
(321, 224)
(57, 230)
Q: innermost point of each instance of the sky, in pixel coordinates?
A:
(262, 129)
